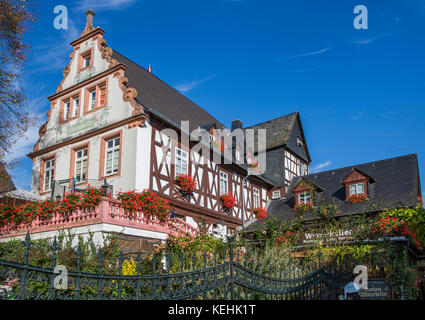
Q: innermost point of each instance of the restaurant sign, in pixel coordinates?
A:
(376, 290)
(331, 236)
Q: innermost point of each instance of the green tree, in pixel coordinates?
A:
(15, 17)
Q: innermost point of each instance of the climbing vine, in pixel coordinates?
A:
(344, 242)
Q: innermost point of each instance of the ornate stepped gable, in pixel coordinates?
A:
(67, 84)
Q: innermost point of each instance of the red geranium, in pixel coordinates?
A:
(356, 198)
(420, 202)
(227, 201)
(303, 207)
(393, 226)
(260, 213)
(147, 202)
(286, 239)
(186, 183)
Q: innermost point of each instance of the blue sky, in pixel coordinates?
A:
(360, 93)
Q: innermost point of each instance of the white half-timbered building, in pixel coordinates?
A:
(106, 123)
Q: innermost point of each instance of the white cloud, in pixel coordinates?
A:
(309, 54)
(104, 5)
(187, 86)
(53, 55)
(320, 166)
(358, 116)
(372, 39)
(23, 145)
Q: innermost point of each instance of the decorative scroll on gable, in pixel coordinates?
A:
(43, 127)
(130, 95)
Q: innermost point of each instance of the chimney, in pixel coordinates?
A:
(236, 124)
(89, 23)
(150, 68)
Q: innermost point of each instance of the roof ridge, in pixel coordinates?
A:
(278, 118)
(178, 92)
(360, 164)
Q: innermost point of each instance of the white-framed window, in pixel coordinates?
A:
(66, 110)
(49, 172)
(86, 61)
(357, 188)
(112, 156)
(181, 162)
(223, 182)
(76, 106)
(303, 169)
(276, 194)
(304, 197)
(81, 157)
(92, 99)
(299, 141)
(256, 198)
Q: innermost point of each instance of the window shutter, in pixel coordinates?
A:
(102, 96)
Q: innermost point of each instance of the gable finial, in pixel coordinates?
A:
(89, 22)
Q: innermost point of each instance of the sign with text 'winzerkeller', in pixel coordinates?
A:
(331, 236)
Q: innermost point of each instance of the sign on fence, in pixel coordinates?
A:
(377, 290)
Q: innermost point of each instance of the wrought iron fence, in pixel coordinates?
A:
(60, 187)
(219, 275)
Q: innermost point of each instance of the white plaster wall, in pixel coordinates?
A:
(115, 110)
(143, 156)
(126, 181)
(99, 64)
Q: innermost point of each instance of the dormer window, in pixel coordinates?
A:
(276, 194)
(305, 197)
(356, 189)
(356, 184)
(304, 192)
(299, 141)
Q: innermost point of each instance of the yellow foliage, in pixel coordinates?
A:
(129, 268)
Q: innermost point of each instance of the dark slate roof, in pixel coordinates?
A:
(162, 100)
(395, 183)
(153, 93)
(278, 130)
(6, 183)
(284, 131)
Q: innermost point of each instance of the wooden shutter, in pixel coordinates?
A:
(102, 96)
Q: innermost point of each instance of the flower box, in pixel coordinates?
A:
(303, 207)
(356, 198)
